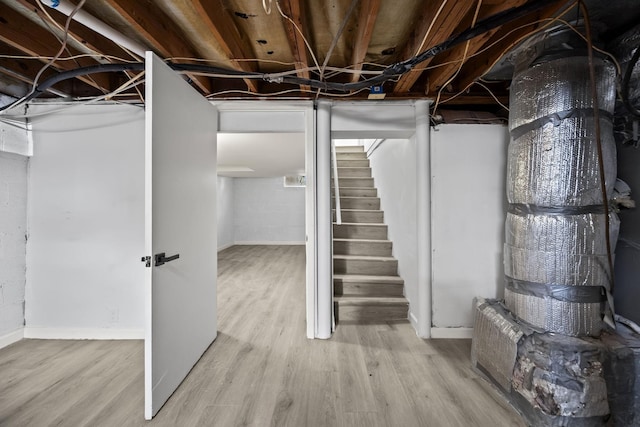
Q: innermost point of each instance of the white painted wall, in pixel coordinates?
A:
(468, 210)
(225, 213)
(393, 166)
(267, 212)
(86, 224)
(13, 230)
(627, 256)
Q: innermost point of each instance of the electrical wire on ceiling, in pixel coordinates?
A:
(69, 58)
(62, 48)
(334, 42)
(492, 95)
(520, 39)
(272, 94)
(267, 9)
(390, 72)
(299, 31)
(464, 58)
(14, 119)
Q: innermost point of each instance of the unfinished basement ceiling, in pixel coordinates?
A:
(294, 37)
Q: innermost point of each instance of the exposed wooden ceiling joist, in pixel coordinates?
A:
(229, 38)
(501, 42)
(154, 25)
(22, 34)
(293, 9)
(90, 39)
(368, 13)
(24, 69)
(434, 28)
(452, 60)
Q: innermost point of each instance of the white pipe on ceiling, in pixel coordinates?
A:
(84, 18)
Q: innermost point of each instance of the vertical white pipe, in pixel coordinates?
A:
(324, 298)
(423, 190)
(311, 220)
(336, 183)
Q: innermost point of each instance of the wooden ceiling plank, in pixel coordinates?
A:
(155, 27)
(368, 13)
(22, 34)
(293, 9)
(228, 37)
(439, 76)
(452, 13)
(479, 65)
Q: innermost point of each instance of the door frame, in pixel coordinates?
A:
(254, 116)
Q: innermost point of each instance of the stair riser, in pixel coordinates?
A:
(356, 192)
(371, 314)
(371, 203)
(354, 172)
(369, 267)
(351, 156)
(353, 163)
(350, 149)
(360, 232)
(362, 248)
(366, 289)
(355, 182)
(370, 217)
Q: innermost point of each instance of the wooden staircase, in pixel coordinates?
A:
(367, 288)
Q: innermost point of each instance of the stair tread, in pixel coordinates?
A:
(363, 223)
(359, 197)
(364, 257)
(344, 239)
(363, 278)
(359, 210)
(359, 300)
(356, 188)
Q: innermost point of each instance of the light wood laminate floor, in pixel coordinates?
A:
(261, 371)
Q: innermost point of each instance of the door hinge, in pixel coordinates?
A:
(146, 260)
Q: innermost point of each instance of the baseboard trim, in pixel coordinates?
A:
(262, 243)
(452, 333)
(223, 247)
(11, 338)
(83, 334)
(413, 320)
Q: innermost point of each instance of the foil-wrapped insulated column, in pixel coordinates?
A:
(556, 263)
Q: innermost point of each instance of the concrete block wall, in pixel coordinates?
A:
(267, 212)
(13, 230)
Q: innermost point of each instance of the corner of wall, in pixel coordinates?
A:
(11, 337)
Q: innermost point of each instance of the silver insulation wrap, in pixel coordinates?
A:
(555, 255)
(495, 342)
(558, 249)
(567, 318)
(557, 164)
(555, 380)
(557, 85)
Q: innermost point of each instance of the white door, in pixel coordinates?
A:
(180, 222)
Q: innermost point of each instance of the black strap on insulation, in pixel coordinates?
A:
(565, 293)
(522, 209)
(557, 118)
